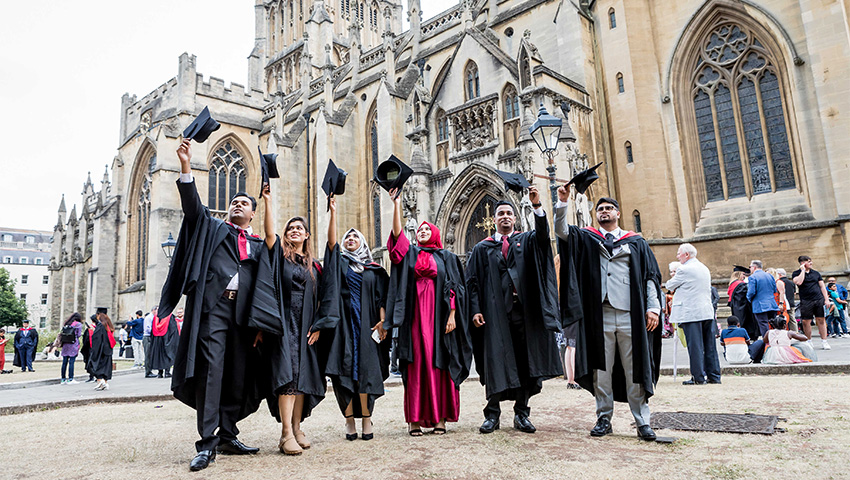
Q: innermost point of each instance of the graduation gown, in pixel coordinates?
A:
(581, 302)
(163, 347)
(743, 309)
(100, 356)
(318, 313)
(189, 275)
(372, 358)
(453, 351)
(532, 271)
(30, 342)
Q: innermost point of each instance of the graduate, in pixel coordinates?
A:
(359, 354)
(102, 340)
(513, 302)
(296, 356)
(214, 266)
(163, 346)
(26, 341)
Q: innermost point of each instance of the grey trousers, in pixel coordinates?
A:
(617, 328)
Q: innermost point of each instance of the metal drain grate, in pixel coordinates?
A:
(716, 422)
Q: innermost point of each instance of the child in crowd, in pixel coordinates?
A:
(778, 349)
(835, 324)
(735, 340)
(3, 351)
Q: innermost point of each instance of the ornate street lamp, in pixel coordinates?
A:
(168, 247)
(546, 132)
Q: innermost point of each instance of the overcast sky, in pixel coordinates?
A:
(64, 66)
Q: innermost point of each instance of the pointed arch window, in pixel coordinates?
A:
(621, 87)
(629, 157)
(442, 139)
(473, 89)
(636, 217)
(612, 19)
(139, 212)
(740, 116)
(227, 176)
(511, 119)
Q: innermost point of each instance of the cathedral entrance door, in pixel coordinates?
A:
(481, 224)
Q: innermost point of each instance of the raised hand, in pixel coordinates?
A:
(184, 151)
(533, 195)
(563, 194)
(267, 192)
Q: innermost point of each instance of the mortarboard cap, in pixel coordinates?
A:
(268, 167)
(514, 181)
(583, 179)
(101, 310)
(334, 181)
(201, 127)
(392, 173)
(738, 268)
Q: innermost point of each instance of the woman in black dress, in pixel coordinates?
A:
(100, 358)
(358, 359)
(296, 357)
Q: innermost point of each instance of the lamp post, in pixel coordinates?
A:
(168, 247)
(546, 131)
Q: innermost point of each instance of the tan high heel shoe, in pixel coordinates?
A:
(289, 446)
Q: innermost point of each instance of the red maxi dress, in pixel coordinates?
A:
(430, 395)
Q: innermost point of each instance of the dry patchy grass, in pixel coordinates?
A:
(148, 440)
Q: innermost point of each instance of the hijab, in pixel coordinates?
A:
(423, 261)
(360, 257)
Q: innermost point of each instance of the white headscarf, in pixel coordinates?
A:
(360, 257)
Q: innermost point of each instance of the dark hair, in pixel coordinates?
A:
(306, 252)
(803, 258)
(139, 313)
(244, 194)
(75, 317)
(501, 203)
(732, 321)
(106, 321)
(778, 322)
(607, 200)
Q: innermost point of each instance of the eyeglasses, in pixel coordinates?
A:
(606, 208)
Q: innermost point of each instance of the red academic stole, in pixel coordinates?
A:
(628, 234)
(160, 326)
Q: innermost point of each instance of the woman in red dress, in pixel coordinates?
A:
(427, 303)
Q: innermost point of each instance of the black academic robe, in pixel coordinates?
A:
(164, 348)
(100, 356)
(32, 346)
(581, 301)
(318, 314)
(195, 274)
(373, 358)
(743, 309)
(453, 351)
(532, 272)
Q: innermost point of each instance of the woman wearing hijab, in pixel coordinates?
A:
(102, 340)
(358, 359)
(296, 358)
(426, 301)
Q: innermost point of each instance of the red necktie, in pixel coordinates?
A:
(505, 245)
(242, 241)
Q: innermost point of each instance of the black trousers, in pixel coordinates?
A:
(702, 350)
(520, 395)
(220, 392)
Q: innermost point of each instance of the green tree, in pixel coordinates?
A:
(13, 310)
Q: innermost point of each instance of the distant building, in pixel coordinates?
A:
(25, 255)
(722, 123)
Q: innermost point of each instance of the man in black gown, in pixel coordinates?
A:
(611, 286)
(513, 301)
(214, 265)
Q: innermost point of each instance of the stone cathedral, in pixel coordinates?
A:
(719, 122)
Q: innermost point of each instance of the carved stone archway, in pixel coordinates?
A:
(477, 183)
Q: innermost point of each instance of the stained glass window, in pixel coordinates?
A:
(740, 120)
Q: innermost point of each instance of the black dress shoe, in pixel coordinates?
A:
(202, 460)
(490, 425)
(167, 375)
(150, 375)
(646, 433)
(523, 424)
(714, 382)
(693, 382)
(159, 375)
(602, 428)
(351, 436)
(235, 447)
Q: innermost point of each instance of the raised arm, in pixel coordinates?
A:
(268, 216)
(189, 199)
(798, 280)
(332, 224)
(396, 198)
(562, 226)
(541, 224)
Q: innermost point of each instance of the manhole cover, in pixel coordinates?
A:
(715, 422)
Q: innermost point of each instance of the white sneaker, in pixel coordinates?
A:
(825, 345)
(72, 382)
(105, 386)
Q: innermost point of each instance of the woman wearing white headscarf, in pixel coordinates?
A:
(358, 360)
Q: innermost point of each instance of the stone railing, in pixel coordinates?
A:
(449, 17)
(372, 57)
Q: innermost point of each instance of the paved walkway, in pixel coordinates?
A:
(132, 386)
